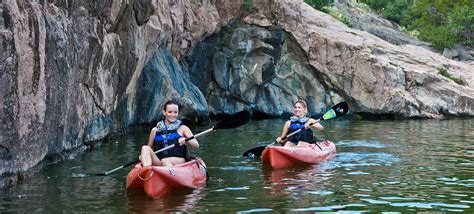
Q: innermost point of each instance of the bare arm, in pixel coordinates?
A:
(186, 133)
(286, 127)
(316, 125)
(151, 137)
(284, 132)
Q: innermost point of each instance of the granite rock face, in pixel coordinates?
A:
(290, 51)
(262, 69)
(376, 77)
(74, 72)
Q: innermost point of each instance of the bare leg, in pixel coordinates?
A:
(289, 144)
(148, 157)
(170, 161)
(302, 143)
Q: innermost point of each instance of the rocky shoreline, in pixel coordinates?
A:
(75, 72)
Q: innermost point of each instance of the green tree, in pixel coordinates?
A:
(319, 4)
(463, 22)
(398, 11)
(441, 22)
(377, 5)
(444, 22)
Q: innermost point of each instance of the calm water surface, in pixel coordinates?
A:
(398, 166)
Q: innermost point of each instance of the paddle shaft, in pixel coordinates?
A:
(158, 151)
(257, 151)
(299, 130)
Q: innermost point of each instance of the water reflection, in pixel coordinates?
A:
(403, 166)
(179, 200)
(294, 181)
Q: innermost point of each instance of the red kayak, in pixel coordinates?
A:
(159, 180)
(283, 157)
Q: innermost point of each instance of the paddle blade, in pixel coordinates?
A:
(234, 120)
(254, 152)
(336, 111)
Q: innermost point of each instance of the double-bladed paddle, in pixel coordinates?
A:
(336, 111)
(231, 121)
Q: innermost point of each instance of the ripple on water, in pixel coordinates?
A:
(232, 189)
(392, 182)
(256, 210)
(238, 168)
(365, 159)
(78, 175)
(320, 192)
(358, 173)
(326, 208)
(363, 143)
(394, 198)
(430, 205)
(460, 195)
(447, 179)
(361, 195)
(373, 201)
(331, 208)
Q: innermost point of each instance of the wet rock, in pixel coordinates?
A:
(257, 68)
(75, 72)
(70, 71)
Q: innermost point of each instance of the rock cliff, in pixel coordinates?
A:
(74, 72)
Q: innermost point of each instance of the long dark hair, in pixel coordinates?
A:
(171, 102)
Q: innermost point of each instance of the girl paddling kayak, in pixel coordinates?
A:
(297, 121)
(168, 132)
(159, 173)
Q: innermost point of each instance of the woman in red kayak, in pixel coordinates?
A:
(297, 121)
(167, 132)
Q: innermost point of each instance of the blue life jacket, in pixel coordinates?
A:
(168, 135)
(305, 135)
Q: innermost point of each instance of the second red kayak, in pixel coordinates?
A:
(283, 157)
(159, 180)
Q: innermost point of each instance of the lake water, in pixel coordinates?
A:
(383, 165)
